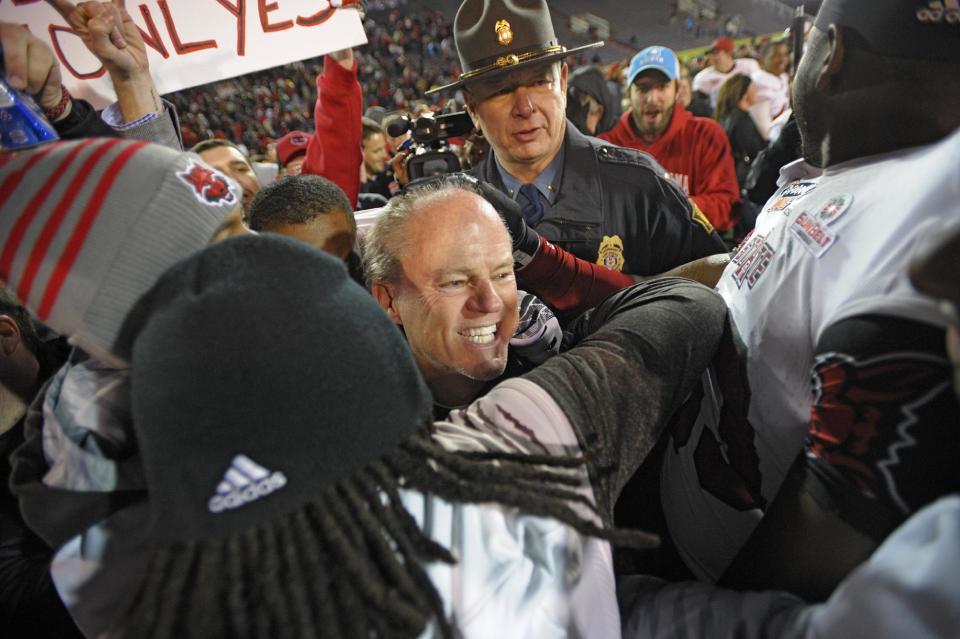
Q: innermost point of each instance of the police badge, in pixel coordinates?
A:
(610, 253)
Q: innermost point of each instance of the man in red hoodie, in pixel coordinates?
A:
(694, 150)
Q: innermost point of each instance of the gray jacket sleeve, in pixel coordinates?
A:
(637, 355)
(164, 129)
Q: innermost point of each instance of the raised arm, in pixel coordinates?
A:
(111, 35)
(571, 285)
(637, 355)
(334, 150)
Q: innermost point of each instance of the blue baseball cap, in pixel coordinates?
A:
(662, 59)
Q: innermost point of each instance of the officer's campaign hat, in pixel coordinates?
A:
(494, 37)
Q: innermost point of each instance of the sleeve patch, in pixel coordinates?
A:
(698, 216)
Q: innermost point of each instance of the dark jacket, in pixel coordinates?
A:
(590, 81)
(620, 200)
(83, 122)
(29, 604)
(765, 171)
(745, 142)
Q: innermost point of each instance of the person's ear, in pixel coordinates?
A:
(470, 108)
(9, 335)
(386, 295)
(833, 62)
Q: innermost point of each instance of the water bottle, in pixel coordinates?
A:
(22, 123)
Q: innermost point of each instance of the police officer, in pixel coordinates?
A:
(603, 203)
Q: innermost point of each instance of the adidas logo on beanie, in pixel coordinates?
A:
(245, 481)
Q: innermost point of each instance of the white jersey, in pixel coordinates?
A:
(825, 248)
(710, 80)
(772, 90)
(772, 107)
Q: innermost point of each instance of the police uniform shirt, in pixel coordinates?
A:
(547, 183)
(613, 206)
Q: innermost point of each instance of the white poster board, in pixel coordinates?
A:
(192, 42)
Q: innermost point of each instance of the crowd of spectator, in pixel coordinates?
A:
(620, 357)
(408, 52)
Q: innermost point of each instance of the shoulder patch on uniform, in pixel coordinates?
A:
(699, 217)
(610, 253)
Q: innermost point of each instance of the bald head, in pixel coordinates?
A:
(440, 263)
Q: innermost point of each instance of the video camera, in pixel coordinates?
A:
(432, 154)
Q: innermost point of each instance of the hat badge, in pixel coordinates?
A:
(504, 32)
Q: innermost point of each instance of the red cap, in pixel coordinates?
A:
(723, 43)
(291, 145)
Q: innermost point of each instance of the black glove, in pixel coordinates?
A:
(526, 241)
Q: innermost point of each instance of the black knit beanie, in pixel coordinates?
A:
(261, 373)
(899, 28)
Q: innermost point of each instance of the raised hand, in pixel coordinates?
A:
(30, 65)
(110, 34)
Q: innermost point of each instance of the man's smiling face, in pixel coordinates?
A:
(457, 297)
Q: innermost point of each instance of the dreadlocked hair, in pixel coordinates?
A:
(350, 562)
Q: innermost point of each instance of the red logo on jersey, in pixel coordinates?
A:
(751, 260)
(812, 235)
(208, 185)
(879, 423)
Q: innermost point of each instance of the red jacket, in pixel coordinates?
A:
(334, 150)
(697, 154)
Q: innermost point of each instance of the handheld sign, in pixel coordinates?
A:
(192, 42)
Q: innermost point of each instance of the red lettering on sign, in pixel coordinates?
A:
(238, 12)
(178, 46)
(54, 38)
(152, 39)
(319, 17)
(264, 8)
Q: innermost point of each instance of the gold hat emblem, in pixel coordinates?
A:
(504, 32)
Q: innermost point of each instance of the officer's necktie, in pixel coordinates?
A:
(533, 209)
